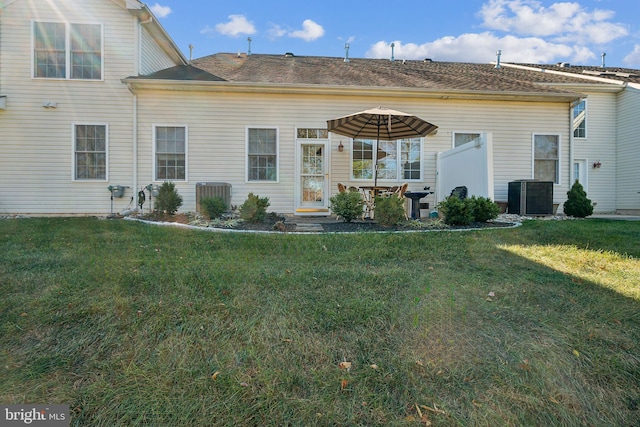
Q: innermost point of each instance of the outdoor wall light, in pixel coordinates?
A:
(340, 147)
(597, 164)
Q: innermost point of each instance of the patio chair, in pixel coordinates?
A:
(342, 188)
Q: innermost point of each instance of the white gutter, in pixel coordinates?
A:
(311, 89)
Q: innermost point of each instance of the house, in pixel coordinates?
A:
(66, 119)
(140, 114)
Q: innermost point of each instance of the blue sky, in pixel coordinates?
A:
(461, 30)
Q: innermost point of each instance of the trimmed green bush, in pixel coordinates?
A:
(389, 210)
(254, 209)
(347, 206)
(456, 211)
(168, 200)
(577, 204)
(484, 209)
(214, 207)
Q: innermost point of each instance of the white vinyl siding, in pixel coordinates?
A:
(37, 164)
(67, 50)
(152, 57)
(628, 152)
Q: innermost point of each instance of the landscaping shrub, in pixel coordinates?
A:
(484, 209)
(456, 211)
(347, 206)
(254, 209)
(389, 210)
(168, 200)
(577, 204)
(214, 207)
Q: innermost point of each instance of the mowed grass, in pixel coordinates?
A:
(134, 324)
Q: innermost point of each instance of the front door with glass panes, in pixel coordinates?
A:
(312, 174)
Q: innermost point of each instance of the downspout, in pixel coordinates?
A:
(571, 177)
(134, 149)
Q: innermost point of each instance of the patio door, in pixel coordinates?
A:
(580, 172)
(312, 177)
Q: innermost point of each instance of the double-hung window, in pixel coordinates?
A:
(67, 51)
(396, 160)
(262, 154)
(90, 152)
(546, 156)
(170, 153)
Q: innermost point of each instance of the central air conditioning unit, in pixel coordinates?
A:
(213, 189)
(530, 197)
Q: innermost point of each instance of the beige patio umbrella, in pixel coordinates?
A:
(380, 124)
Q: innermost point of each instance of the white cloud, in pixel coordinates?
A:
(482, 48)
(563, 22)
(633, 59)
(275, 32)
(160, 11)
(237, 25)
(310, 31)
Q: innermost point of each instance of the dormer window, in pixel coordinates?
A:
(67, 51)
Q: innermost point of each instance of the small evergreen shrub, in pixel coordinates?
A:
(168, 200)
(389, 210)
(214, 207)
(577, 204)
(484, 209)
(347, 206)
(456, 211)
(254, 209)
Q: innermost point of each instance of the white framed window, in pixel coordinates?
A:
(579, 115)
(170, 152)
(461, 138)
(67, 50)
(90, 142)
(546, 157)
(399, 160)
(262, 154)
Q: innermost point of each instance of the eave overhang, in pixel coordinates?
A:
(151, 23)
(137, 84)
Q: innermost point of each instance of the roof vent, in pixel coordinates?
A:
(289, 55)
(564, 65)
(498, 55)
(393, 45)
(249, 50)
(427, 60)
(346, 52)
(603, 63)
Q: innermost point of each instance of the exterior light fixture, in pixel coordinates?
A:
(340, 147)
(597, 164)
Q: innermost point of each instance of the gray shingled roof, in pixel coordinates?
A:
(359, 72)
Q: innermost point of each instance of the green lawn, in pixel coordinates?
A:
(133, 324)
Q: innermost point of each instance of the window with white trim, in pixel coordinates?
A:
(67, 51)
(396, 160)
(90, 152)
(170, 153)
(262, 154)
(461, 138)
(579, 114)
(546, 155)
